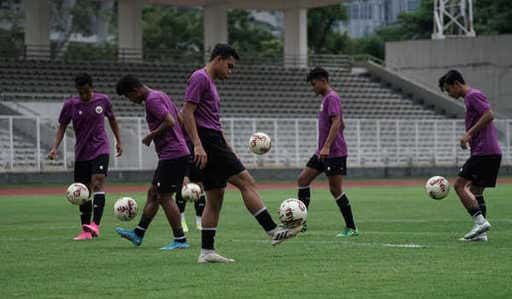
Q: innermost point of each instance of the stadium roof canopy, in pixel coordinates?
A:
(251, 4)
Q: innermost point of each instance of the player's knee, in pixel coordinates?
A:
(152, 193)
(459, 185)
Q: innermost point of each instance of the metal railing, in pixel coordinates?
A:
(25, 142)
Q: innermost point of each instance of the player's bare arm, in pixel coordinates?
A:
(58, 139)
(166, 124)
(484, 120)
(115, 129)
(336, 124)
(189, 122)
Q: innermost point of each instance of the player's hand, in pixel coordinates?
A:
(464, 141)
(324, 153)
(119, 149)
(52, 154)
(200, 157)
(147, 139)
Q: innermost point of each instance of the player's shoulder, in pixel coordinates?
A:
(71, 101)
(101, 96)
(199, 74)
(332, 95)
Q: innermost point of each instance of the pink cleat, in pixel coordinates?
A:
(92, 228)
(83, 236)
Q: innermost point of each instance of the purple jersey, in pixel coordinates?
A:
(202, 91)
(171, 143)
(331, 106)
(485, 141)
(89, 125)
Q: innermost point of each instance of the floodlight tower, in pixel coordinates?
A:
(453, 18)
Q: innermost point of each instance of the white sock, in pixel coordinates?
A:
(206, 251)
(198, 220)
(479, 219)
(182, 216)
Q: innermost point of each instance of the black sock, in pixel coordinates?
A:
(144, 222)
(86, 212)
(199, 205)
(99, 205)
(481, 204)
(344, 205)
(180, 201)
(265, 220)
(474, 211)
(179, 235)
(305, 195)
(208, 238)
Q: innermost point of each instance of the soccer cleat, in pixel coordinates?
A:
(129, 235)
(283, 233)
(348, 232)
(480, 237)
(175, 245)
(478, 229)
(83, 236)
(213, 257)
(93, 228)
(304, 227)
(184, 226)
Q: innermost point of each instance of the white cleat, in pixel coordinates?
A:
(213, 257)
(478, 229)
(283, 233)
(480, 237)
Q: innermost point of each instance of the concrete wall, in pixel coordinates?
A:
(260, 174)
(485, 62)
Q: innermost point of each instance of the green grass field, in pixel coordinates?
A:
(408, 249)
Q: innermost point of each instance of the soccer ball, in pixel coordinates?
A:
(260, 143)
(191, 192)
(77, 193)
(292, 212)
(437, 187)
(125, 208)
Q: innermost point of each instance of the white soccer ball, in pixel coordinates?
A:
(292, 212)
(260, 143)
(125, 208)
(77, 193)
(437, 187)
(191, 192)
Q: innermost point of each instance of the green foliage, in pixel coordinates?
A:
(322, 34)
(11, 37)
(90, 52)
(493, 17)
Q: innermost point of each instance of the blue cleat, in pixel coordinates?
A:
(129, 235)
(175, 245)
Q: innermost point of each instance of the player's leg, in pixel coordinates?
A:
(148, 213)
(98, 178)
(478, 192)
(180, 202)
(336, 189)
(313, 168)
(173, 217)
(82, 174)
(469, 201)
(199, 206)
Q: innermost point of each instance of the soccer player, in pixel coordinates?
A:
(87, 111)
(173, 159)
(331, 154)
(212, 153)
(481, 169)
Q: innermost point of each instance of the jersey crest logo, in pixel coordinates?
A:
(99, 109)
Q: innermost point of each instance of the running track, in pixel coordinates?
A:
(280, 185)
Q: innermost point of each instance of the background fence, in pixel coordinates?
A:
(25, 142)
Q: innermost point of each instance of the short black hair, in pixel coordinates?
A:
(83, 79)
(450, 78)
(127, 84)
(224, 51)
(317, 73)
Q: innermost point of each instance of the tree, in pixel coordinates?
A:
(11, 35)
(322, 24)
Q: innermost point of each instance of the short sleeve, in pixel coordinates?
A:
(66, 113)
(108, 108)
(333, 106)
(157, 108)
(196, 86)
(479, 103)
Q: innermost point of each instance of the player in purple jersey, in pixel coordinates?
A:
(173, 159)
(213, 154)
(87, 111)
(481, 169)
(331, 154)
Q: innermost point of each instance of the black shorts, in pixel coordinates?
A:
(84, 170)
(194, 173)
(222, 162)
(482, 171)
(169, 174)
(331, 166)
